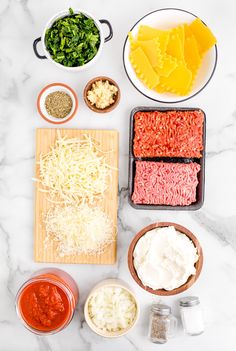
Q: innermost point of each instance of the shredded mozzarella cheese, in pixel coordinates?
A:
(112, 309)
(75, 170)
(79, 229)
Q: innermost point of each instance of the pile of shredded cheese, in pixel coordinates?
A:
(112, 309)
(79, 229)
(74, 170)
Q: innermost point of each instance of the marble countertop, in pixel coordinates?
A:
(22, 75)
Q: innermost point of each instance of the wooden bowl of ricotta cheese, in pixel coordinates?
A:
(168, 273)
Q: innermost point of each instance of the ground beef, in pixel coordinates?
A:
(161, 183)
(168, 134)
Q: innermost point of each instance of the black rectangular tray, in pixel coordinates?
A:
(201, 175)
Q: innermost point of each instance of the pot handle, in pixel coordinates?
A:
(110, 35)
(35, 43)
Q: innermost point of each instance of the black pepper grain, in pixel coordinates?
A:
(159, 328)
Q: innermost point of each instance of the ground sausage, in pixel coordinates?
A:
(161, 183)
(168, 134)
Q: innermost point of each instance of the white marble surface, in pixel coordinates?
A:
(22, 75)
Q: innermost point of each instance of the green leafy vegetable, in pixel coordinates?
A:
(73, 40)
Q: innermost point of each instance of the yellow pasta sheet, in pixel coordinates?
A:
(151, 49)
(204, 36)
(191, 54)
(147, 33)
(178, 82)
(169, 64)
(143, 68)
(175, 47)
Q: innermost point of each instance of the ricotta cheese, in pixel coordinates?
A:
(164, 258)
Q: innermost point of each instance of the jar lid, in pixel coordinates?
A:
(189, 301)
(161, 309)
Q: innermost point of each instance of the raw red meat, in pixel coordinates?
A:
(168, 134)
(161, 183)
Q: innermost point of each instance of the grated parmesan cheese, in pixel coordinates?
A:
(75, 170)
(112, 309)
(79, 229)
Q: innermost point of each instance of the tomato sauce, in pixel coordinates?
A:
(44, 306)
(46, 302)
(64, 278)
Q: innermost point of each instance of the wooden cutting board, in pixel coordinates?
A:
(109, 140)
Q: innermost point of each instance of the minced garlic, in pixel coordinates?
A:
(102, 94)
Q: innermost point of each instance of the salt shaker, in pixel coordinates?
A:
(162, 324)
(191, 315)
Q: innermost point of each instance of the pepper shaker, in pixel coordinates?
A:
(191, 315)
(162, 324)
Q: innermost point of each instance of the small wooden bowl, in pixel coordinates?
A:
(198, 265)
(93, 107)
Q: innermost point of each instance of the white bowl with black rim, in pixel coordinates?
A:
(165, 19)
(65, 13)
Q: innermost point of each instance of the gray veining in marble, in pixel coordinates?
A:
(22, 76)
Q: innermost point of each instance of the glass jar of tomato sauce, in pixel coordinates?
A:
(46, 302)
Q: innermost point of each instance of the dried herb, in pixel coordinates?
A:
(58, 104)
(73, 40)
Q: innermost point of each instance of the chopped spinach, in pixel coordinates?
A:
(73, 40)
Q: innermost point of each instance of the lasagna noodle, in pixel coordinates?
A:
(175, 47)
(151, 48)
(191, 55)
(203, 35)
(179, 81)
(179, 30)
(147, 33)
(143, 68)
(169, 64)
(187, 30)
